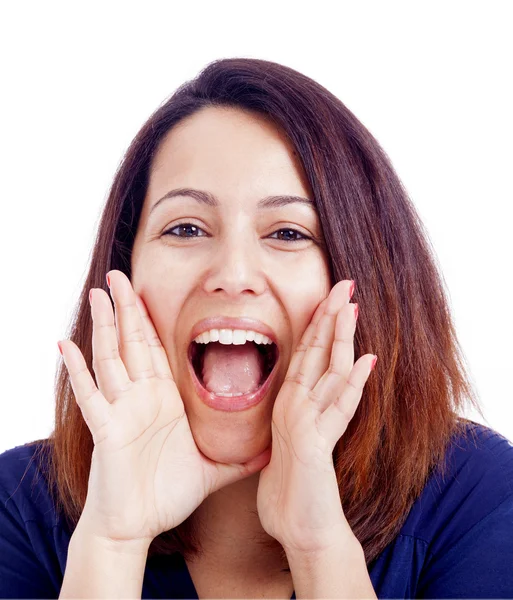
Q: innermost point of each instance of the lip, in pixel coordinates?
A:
(232, 323)
(234, 404)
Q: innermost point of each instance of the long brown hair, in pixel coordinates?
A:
(373, 234)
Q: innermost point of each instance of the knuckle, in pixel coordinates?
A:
(316, 342)
(128, 305)
(136, 336)
(298, 379)
(124, 390)
(98, 360)
(332, 370)
(78, 373)
(90, 393)
(357, 388)
(166, 376)
(342, 409)
(145, 373)
(314, 396)
(99, 326)
(155, 341)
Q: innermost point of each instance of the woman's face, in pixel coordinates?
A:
(234, 259)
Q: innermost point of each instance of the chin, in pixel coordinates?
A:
(231, 447)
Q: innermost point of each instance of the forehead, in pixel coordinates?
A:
(224, 148)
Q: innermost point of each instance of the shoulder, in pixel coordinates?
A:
(477, 480)
(24, 491)
(32, 549)
(480, 456)
(466, 518)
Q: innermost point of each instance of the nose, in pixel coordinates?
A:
(235, 267)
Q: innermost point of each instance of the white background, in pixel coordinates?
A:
(431, 81)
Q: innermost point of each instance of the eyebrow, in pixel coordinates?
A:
(210, 200)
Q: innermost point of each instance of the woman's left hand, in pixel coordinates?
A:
(298, 498)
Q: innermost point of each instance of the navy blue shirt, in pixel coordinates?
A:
(457, 541)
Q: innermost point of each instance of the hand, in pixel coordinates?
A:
(147, 474)
(298, 498)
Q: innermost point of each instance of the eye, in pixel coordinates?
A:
(184, 228)
(293, 232)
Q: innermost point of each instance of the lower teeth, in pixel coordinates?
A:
(228, 395)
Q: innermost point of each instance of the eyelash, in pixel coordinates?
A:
(168, 232)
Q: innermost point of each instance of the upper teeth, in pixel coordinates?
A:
(232, 336)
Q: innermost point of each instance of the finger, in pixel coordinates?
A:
(94, 407)
(317, 356)
(158, 354)
(333, 422)
(225, 474)
(341, 360)
(297, 372)
(297, 357)
(111, 375)
(133, 347)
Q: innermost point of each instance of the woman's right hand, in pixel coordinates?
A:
(147, 474)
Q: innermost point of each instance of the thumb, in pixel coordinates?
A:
(234, 472)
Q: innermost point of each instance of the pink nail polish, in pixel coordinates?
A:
(60, 349)
(108, 279)
(351, 289)
(90, 296)
(374, 360)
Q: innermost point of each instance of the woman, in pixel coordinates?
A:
(191, 461)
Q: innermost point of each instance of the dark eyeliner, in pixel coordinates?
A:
(185, 223)
(303, 236)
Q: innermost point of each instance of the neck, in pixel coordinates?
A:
(230, 529)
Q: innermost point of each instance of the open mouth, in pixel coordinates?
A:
(268, 354)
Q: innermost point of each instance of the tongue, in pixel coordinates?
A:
(231, 369)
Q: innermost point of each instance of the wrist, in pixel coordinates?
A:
(87, 535)
(336, 571)
(98, 567)
(342, 539)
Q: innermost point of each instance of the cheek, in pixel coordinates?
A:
(300, 311)
(164, 303)
(301, 291)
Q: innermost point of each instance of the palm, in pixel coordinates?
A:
(147, 474)
(296, 452)
(298, 498)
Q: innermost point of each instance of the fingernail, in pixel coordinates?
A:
(356, 311)
(374, 361)
(60, 349)
(351, 289)
(108, 280)
(90, 296)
